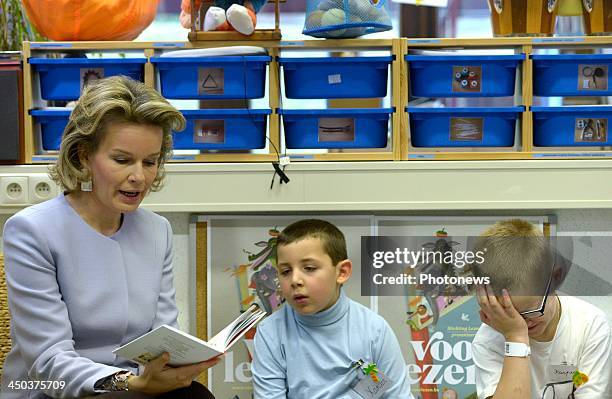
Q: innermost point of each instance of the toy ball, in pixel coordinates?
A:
(314, 19)
(359, 7)
(332, 17)
(335, 16)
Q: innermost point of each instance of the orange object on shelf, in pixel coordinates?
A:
(77, 20)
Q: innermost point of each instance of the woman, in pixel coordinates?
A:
(89, 271)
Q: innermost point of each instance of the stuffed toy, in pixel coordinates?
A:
(225, 15)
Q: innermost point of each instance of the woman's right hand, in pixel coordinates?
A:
(159, 378)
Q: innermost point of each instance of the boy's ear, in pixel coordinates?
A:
(344, 271)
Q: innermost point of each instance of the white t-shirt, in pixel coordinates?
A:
(583, 339)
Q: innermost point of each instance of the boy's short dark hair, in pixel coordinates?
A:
(332, 238)
(517, 257)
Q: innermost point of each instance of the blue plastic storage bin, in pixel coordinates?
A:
(336, 128)
(223, 129)
(572, 74)
(63, 78)
(335, 77)
(52, 124)
(234, 77)
(463, 75)
(575, 126)
(463, 127)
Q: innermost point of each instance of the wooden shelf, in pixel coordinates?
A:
(399, 150)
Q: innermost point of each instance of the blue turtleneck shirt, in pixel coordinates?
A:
(312, 356)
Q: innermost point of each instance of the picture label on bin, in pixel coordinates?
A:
(591, 130)
(467, 79)
(592, 77)
(211, 81)
(209, 132)
(466, 129)
(334, 79)
(88, 75)
(336, 129)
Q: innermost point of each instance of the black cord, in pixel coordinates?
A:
(275, 165)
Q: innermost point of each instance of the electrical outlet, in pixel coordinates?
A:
(41, 188)
(13, 190)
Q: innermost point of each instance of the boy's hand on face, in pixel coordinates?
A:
(501, 315)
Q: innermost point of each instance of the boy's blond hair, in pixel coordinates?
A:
(331, 237)
(517, 257)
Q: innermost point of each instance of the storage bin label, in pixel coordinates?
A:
(336, 129)
(591, 130)
(466, 129)
(211, 81)
(592, 77)
(89, 75)
(467, 79)
(334, 79)
(209, 131)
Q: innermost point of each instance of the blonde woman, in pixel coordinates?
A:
(89, 270)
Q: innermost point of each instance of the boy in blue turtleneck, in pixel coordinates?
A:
(323, 345)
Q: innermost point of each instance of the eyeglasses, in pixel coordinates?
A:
(532, 314)
(551, 394)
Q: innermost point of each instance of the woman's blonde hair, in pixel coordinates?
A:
(106, 101)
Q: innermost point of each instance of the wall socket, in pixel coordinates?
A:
(40, 188)
(14, 190)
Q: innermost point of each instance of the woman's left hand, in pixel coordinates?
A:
(159, 378)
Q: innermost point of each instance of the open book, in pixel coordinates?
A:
(184, 348)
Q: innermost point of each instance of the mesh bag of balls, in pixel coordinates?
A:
(346, 18)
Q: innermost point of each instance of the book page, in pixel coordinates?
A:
(230, 334)
(183, 348)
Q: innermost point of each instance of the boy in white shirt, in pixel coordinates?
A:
(531, 346)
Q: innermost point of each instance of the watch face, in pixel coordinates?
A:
(588, 5)
(121, 381)
(551, 5)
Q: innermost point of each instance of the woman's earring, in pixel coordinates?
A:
(86, 185)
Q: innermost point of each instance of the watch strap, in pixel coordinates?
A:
(516, 349)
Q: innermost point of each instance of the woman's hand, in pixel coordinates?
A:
(501, 315)
(159, 378)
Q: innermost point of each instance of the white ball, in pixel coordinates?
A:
(335, 33)
(335, 16)
(314, 19)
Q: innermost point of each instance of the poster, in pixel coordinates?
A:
(435, 331)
